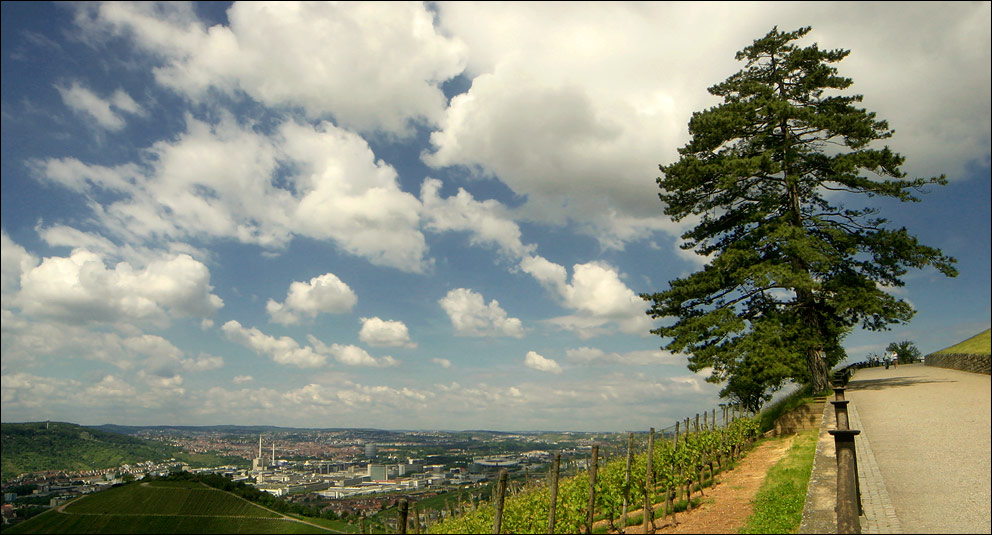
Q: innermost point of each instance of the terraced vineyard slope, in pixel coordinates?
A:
(164, 507)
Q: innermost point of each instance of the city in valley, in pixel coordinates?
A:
(347, 471)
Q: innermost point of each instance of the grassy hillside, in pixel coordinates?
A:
(163, 507)
(41, 446)
(980, 344)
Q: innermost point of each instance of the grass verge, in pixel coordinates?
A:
(778, 507)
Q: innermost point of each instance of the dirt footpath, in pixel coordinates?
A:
(726, 506)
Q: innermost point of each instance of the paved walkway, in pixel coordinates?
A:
(924, 450)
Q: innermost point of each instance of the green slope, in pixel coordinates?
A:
(163, 507)
(43, 446)
(980, 344)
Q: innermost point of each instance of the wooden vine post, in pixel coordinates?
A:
(590, 510)
(500, 496)
(401, 511)
(554, 493)
(626, 481)
(648, 514)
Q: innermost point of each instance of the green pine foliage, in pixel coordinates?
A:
(776, 179)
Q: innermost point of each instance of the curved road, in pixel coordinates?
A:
(929, 430)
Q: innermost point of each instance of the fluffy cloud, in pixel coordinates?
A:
(601, 300)
(31, 391)
(14, 261)
(111, 388)
(324, 294)
(283, 350)
(81, 289)
(106, 112)
(27, 342)
(471, 316)
(489, 222)
(589, 355)
(205, 362)
(444, 363)
(540, 363)
(346, 195)
(351, 355)
(226, 180)
(370, 66)
(385, 333)
(564, 115)
(346, 399)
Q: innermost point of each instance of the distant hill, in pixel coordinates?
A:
(164, 507)
(44, 446)
(980, 344)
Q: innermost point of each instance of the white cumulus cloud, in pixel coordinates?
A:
(283, 350)
(80, 288)
(488, 222)
(371, 66)
(351, 355)
(471, 316)
(601, 301)
(106, 112)
(385, 333)
(562, 113)
(540, 363)
(14, 261)
(225, 179)
(324, 294)
(589, 355)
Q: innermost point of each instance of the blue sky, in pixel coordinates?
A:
(414, 216)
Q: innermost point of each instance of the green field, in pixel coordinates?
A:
(163, 507)
(980, 344)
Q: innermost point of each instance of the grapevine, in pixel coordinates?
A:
(527, 511)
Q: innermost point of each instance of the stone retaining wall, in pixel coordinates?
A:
(968, 363)
(808, 416)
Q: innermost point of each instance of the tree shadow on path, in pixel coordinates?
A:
(893, 382)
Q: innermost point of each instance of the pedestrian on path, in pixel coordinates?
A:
(895, 359)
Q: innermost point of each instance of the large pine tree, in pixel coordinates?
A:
(792, 270)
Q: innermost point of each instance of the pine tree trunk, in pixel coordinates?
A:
(818, 370)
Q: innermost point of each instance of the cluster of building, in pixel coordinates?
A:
(345, 481)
